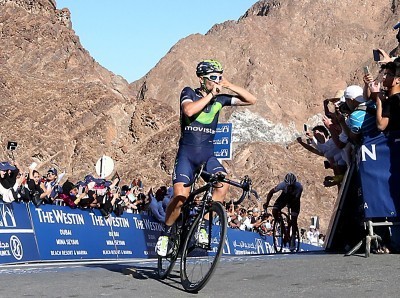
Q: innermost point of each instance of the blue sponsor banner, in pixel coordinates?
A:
(379, 169)
(139, 239)
(64, 234)
(61, 233)
(223, 141)
(249, 243)
(17, 239)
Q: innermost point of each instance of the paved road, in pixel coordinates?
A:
(301, 275)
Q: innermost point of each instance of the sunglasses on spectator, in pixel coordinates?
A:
(50, 174)
(213, 78)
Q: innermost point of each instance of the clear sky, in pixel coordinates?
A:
(129, 37)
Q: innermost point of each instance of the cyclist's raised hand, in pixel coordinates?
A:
(225, 83)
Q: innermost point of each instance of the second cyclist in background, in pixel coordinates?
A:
(291, 191)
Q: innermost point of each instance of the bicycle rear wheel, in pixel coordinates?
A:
(166, 264)
(199, 261)
(278, 234)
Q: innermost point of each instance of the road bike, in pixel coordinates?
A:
(282, 233)
(199, 259)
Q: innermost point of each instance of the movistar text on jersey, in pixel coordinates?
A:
(200, 129)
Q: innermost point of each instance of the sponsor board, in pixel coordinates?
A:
(65, 233)
(17, 240)
(223, 141)
(378, 164)
(141, 237)
(61, 233)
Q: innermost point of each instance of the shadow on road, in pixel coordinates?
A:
(143, 273)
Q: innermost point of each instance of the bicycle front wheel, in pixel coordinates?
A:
(295, 247)
(166, 264)
(278, 235)
(203, 247)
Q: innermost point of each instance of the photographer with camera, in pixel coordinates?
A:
(263, 223)
(257, 219)
(362, 120)
(323, 145)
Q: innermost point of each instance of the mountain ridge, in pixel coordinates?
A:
(66, 110)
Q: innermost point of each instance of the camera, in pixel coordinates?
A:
(344, 108)
(327, 164)
(12, 146)
(376, 54)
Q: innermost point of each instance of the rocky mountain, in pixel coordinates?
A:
(66, 110)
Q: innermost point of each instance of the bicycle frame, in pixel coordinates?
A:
(190, 228)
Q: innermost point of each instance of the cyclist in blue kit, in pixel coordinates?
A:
(199, 109)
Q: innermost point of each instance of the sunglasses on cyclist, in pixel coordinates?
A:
(213, 78)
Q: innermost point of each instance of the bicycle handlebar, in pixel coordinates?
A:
(212, 179)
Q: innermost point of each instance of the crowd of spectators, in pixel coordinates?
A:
(107, 196)
(249, 219)
(353, 114)
(356, 113)
(90, 192)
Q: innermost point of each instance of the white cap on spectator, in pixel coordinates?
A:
(312, 227)
(355, 92)
(91, 185)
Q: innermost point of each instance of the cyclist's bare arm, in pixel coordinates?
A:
(269, 196)
(191, 108)
(244, 97)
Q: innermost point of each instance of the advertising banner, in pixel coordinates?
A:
(223, 141)
(240, 242)
(17, 239)
(65, 233)
(139, 239)
(379, 169)
(55, 233)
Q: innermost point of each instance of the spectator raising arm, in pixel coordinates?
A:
(381, 122)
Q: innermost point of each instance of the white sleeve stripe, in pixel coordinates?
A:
(185, 100)
(234, 100)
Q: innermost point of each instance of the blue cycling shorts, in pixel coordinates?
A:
(189, 158)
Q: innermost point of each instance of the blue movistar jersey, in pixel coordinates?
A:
(199, 130)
